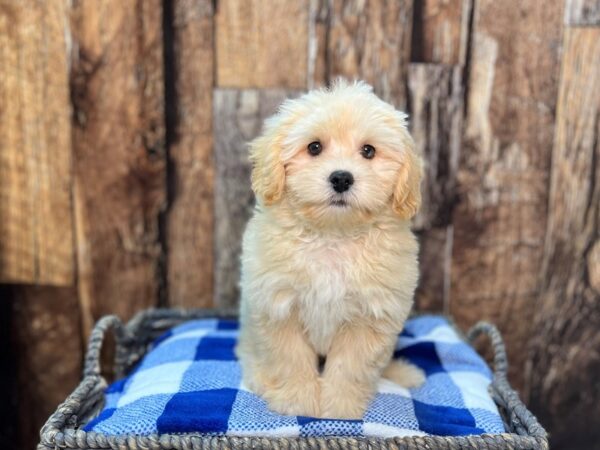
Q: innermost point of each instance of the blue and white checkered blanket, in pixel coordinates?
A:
(191, 383)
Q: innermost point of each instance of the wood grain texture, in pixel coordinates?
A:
(503, 175)
(262, 43)
(582, 12)
(238, 118)
(436, 114)
(117, 90)
(440, 31)
(45, 332)
(370, 41)
(565, 361)
(36, 237)
(318, 33)
(189, 239)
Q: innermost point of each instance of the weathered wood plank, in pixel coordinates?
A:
(261, 43)
(582, 12)
(238, 118)
(189, 243)
(371, 41)
(36, 219)
(318, 29)
(436, 99)
(118, 137)
(46, 335)
(500, 220)
(565, 361)
(440, 31)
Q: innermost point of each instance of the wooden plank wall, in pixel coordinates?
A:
(119, 152)
(499, 222)
(564, 349)
(149, 105)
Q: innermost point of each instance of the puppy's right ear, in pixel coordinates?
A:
(268, 173)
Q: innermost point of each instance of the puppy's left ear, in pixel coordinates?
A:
(407, 194)
(268, 173)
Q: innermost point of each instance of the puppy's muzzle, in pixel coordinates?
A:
(341, 180)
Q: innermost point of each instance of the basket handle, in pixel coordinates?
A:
(519, 417)
(91, 366)
(500, 359)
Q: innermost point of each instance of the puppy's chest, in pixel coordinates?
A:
(327, 278)
(328, 270)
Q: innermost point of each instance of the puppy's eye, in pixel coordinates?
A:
(368, 151)
(314, 148)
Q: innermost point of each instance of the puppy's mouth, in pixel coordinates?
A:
(339, 203)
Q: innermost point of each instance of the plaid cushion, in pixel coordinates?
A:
(190, 382)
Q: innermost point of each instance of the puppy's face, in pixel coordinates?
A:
(338, 156)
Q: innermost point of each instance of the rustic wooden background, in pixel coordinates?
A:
(124, 176)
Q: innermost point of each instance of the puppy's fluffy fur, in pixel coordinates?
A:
(325, 273)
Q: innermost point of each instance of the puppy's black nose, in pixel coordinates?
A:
(341, 180)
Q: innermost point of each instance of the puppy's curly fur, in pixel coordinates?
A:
(328, 273)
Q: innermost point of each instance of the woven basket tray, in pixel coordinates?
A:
(62, 430)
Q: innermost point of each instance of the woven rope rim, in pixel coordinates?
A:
(132, 340)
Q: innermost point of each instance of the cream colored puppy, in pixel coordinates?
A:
(329, 263)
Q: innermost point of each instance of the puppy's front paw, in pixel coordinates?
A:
(343, 401)
(295, 398)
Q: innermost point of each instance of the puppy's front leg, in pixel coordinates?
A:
(288, 370)
(354, 364)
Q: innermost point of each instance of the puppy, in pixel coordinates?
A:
(329, 264)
